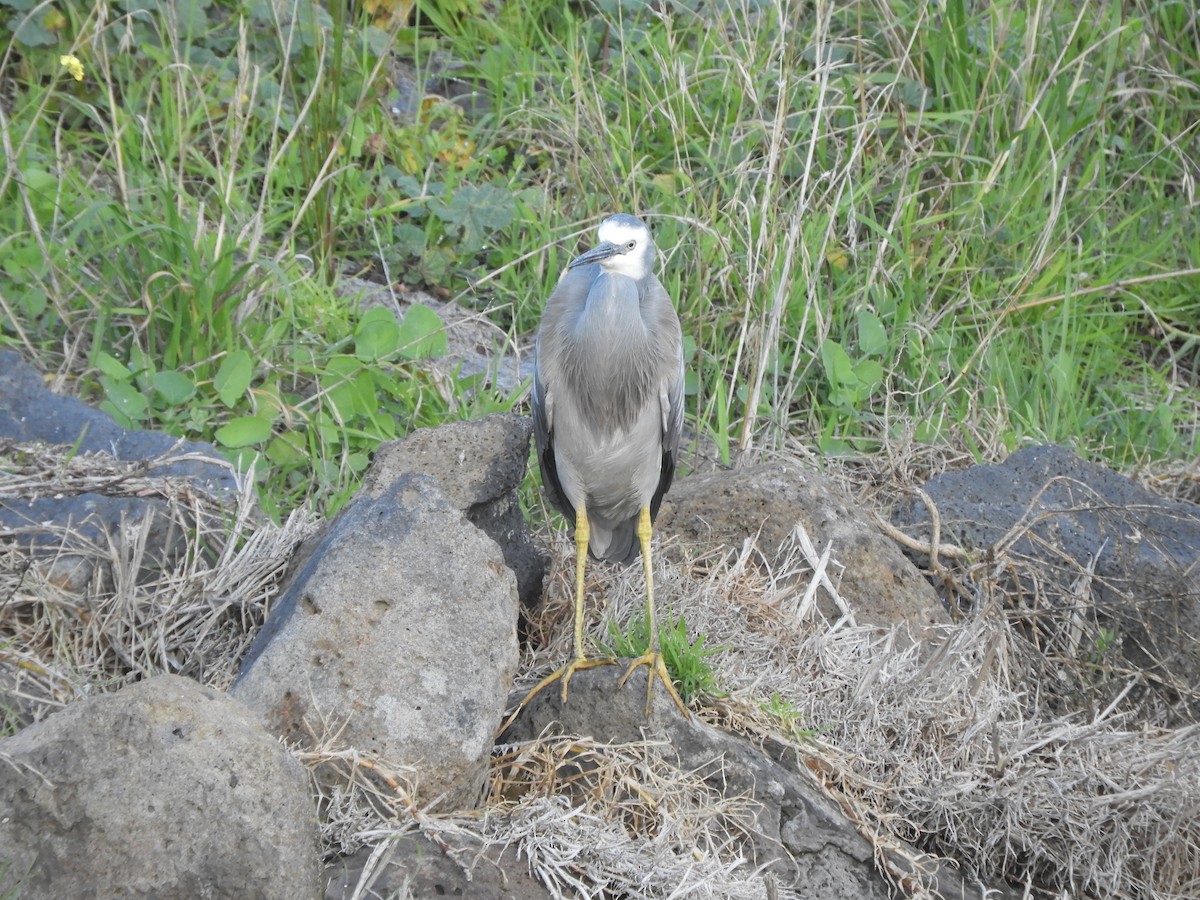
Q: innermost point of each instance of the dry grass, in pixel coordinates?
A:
(977, 748)
(79, 615)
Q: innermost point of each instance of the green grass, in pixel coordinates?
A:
(686, 660)
(951, 223)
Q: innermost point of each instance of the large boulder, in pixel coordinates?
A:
(480, 465)
(1079, 547)
(399, 635)
(766, 502)
(164, 789)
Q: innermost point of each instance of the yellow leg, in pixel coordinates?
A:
(652, 658)
(580, 661)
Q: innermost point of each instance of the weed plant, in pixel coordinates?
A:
(967, 223)
(686, 660)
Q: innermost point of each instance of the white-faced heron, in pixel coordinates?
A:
(607, 412)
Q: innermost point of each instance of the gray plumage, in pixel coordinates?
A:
(608, 388)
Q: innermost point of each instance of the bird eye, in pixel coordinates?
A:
(630, 245)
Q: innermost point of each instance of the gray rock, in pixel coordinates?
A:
(412, 863)
(399, 633)
(723, 509)
(164, 789)
(30, 412)
(66, 536)
(65, 529)
(480, 465)
(1061, 516)
(799, 835)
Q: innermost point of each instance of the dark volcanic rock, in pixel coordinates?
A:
(66, 530)
(798, 834)
(30, 412)
(1083, 540)
(423, 869)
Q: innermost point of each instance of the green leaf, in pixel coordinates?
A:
(142, 366)
(233, 378)
(869, 375)
(838, 367)
(19, 258)
(111, 366)
(421, 333)
(478, 210)
(174, 387)
(408, 238)
(349, 389)
(872, 336)
(127, 399)
(377, 335)
(243, 431)
(285, 450)
(43, 187)
(30, 31)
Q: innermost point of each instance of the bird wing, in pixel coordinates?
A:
(542, 409)
(671, 399)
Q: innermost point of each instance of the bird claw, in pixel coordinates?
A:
(564, 675)
(655, 668)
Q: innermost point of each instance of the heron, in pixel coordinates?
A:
(607, 413)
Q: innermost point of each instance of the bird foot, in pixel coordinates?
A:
(655, 668)
(564, 674)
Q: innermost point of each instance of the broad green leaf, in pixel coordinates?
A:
(31, 31)
(377, 335)
(243, 431)
(872, 336)
(343, 366)
(409, 238)
(31, 301)
(233, 378)
(142, 366)
(349, 388)
(174, 387)
(421, 333)
(869, 374)
(284, 451)
(689, 348)
(19, 258)
(112, 367)
(838, 367)
(42, 187)
(345, 401)
(126, 398)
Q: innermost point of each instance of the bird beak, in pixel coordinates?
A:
(602, 251)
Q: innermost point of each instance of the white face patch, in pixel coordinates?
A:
(633, 262)
(620, 233)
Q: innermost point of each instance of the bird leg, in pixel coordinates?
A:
(580, 661)
(652, 659)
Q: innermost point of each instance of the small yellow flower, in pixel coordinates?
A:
(72, 64)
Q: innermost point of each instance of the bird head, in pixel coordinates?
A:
(625, 248)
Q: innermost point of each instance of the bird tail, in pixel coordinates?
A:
(614, 541)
